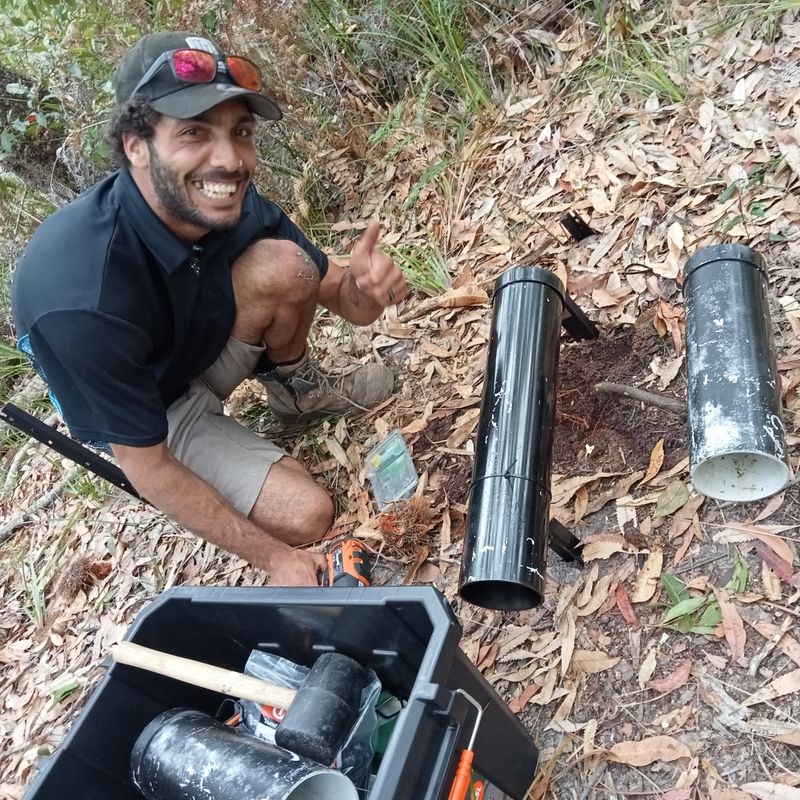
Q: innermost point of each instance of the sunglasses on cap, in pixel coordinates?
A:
(200, 66)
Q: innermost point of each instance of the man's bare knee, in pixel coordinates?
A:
(276, 287)
(292, 505)
(314, 519)
(276, 268)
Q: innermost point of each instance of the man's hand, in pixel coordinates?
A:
(374, 273)
(288, 567)
(158, 476)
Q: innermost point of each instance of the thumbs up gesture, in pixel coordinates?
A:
(375, 274)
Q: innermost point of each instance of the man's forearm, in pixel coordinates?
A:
(200, 508)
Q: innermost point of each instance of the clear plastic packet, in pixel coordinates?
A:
(391, 471)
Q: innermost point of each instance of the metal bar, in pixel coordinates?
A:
(65, 446)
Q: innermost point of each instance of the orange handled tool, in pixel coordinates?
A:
(464, 770)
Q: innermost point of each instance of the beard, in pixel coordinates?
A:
(172, 194)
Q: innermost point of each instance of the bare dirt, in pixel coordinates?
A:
(594, 429)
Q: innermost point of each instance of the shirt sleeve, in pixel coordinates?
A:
(96, 366)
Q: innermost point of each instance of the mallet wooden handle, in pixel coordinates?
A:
(196, 673)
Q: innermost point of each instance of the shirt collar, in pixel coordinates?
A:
(170, 251)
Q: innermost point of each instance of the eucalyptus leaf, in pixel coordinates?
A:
(675, 496)
(705, 630)
(65, 689)
(675, 589)
(688, 606)
(738, 582)
(712, 616)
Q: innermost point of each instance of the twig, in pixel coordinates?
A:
(8, 528)
(768, 647)
(669, 404)
(593, 781)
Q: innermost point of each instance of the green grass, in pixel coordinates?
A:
(395, 47)
(424, 266)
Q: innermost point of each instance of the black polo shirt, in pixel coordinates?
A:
(121, 314)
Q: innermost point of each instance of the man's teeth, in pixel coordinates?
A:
(217, 190)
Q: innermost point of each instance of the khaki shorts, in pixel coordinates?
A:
(229, 456)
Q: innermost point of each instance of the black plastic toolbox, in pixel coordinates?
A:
(408, 635)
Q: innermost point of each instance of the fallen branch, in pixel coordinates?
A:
(669, 404)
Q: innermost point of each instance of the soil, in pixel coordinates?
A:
(597, 431)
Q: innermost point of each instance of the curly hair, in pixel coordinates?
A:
(135, 116)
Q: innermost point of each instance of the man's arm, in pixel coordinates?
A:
(194, 504)
(372, 283)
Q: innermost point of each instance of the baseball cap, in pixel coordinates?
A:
(175, 98)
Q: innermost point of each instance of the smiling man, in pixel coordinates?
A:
(149, 298)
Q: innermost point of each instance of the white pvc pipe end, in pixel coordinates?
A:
(740, 477)
(323, 785)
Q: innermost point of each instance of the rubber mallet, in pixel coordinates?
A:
(319, 716)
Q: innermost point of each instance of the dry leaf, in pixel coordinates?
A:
(783, 569)
(771, 583)
(674, 680)
(785, 684)
(518, 703)
(771, 507)
(463, 296)
(588, 586)
(671, 499)
(656, 748)
(739, 532)
(428, 573)
(419, 559)
(765, 790)
(564, 487)
(647, 579)
(625, 607)
(602, 545)
(559, 718)
(648, 667)
(464, 426)
(656, 461)
(732, 624)
(683, 793)
(599, 596)
(591, 661)
(566, 627)
(683, 517)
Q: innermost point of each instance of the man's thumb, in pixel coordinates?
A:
(370, 236)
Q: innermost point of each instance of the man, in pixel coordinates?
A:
(145, 301)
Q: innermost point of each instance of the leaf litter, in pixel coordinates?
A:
(621, 696)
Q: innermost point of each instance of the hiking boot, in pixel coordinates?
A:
(308, 393)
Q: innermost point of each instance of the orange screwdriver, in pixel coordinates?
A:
(464, 770)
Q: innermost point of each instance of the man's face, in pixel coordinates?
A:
(197, 171)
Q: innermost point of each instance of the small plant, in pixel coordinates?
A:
(424, 266)
(34, 115)
(699, 613)
(35, 606)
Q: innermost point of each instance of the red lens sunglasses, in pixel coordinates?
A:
(200, 66)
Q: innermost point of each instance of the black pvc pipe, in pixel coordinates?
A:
(505, 548)
(737, 438)
(187, 755)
